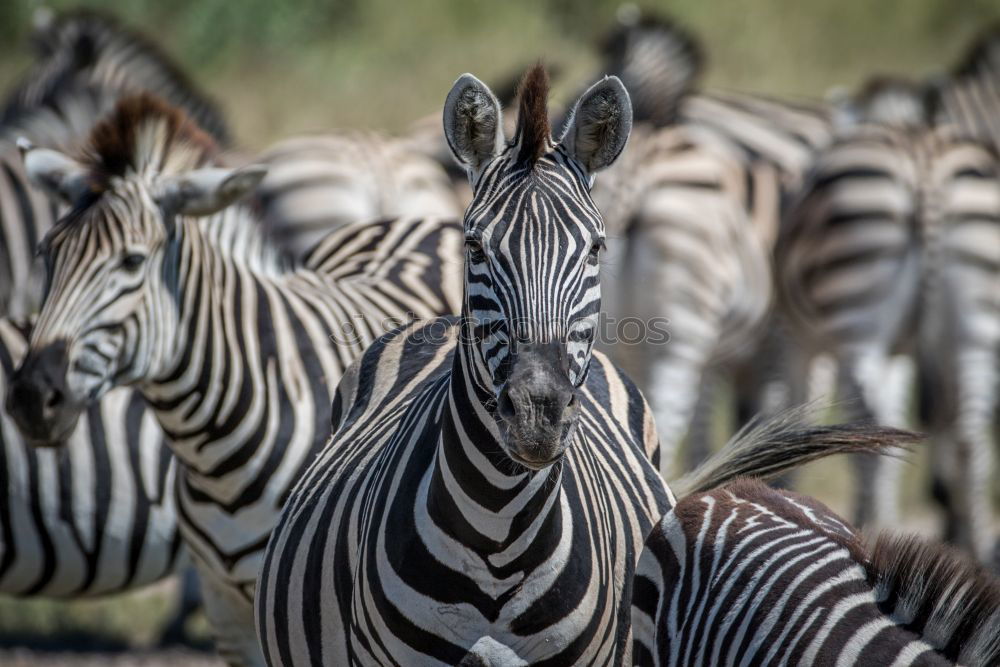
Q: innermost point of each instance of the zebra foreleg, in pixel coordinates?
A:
(978, 381)
(867, 385)
(189, 600)
(230, 613)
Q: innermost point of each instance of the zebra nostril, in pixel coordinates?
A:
(505, 406)
(54, 400)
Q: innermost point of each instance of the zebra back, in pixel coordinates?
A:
(316, 183)
(883, 213)
(746, 573)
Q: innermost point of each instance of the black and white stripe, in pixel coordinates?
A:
(472, 519)
(895, 247)
(684, 260)
(746, 574)
(970, 96)
(316, 183)
(84, 48)
(235, 348)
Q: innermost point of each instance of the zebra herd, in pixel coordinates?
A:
(199, 322)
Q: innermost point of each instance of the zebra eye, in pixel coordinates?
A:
(475, 248)
(595, 250)
(132, 261)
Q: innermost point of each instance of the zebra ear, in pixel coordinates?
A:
(55, 173)
(209, 190)
(472, 123)
(599, 126)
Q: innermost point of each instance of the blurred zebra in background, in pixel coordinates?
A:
(970, 96)
(84, 49)
(692, 211)
(85, 62)
(316, 183)
(243, 392)
(894, 247)
(745, 574)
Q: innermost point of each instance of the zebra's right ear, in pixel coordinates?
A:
(472, 123)
(55, 173)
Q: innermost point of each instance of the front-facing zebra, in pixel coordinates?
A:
(490, 482)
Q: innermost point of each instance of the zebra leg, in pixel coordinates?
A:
(861, 378)
(230, 613)
(189, 600)
(672, 391)
(699, 439)
(977, 380)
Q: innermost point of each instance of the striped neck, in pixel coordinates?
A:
(478, 496)
(220, 372)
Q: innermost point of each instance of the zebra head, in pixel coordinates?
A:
(112, 301)
(533, 243)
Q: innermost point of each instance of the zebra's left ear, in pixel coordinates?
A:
(599, 125)
(209, 190)
(473, 124)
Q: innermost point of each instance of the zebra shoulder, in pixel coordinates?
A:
(392, 362)
(608, 386)
(371, 248)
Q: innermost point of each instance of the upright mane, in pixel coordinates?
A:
(940, 594)
(658, 61)
(983, 54)
(145, 135)
(533, 136)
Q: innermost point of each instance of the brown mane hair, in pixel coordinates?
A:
(937, 591)
(144, 134)
(533, 133)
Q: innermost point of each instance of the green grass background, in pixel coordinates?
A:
(285, 67)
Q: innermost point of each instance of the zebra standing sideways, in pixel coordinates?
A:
(745, 574)
(234, 348)
(895, 247)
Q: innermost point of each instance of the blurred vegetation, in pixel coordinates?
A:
(123, 622)
(284, 67)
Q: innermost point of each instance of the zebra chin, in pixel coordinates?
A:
(39, 399)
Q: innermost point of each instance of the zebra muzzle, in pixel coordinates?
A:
(538, 407)
(39, 399)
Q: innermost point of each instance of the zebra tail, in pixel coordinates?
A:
(769, 447)
(939, 593)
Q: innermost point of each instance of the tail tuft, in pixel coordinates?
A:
(768, 448)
